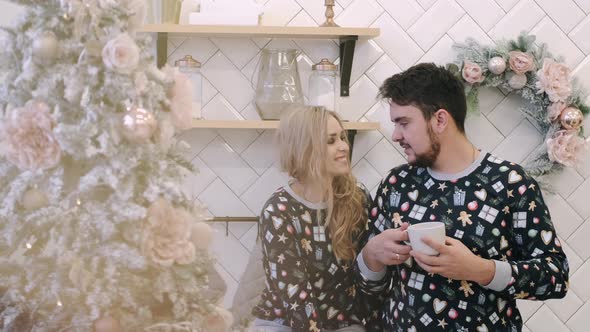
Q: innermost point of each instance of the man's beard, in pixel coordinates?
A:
(428, 158)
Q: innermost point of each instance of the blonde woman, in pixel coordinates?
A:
(310, 230)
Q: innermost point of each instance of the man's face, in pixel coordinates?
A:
(414, 134)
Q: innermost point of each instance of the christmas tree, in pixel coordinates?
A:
(95, 231)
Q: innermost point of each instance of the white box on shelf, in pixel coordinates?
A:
(222, 19)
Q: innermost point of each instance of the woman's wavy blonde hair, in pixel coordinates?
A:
(303, 141)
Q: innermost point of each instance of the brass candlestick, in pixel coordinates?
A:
(329, 14)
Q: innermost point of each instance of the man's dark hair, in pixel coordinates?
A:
(429, 88)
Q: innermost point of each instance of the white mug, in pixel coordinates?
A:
(434, 230)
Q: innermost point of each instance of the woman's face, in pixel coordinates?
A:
(337, 162)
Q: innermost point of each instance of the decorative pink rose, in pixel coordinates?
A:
(27, 133)
(181, 99)
(167, 236)
(554, 110)
(121, 54)
(554, 80)
(521, 62)
(472, 72)
(219, 320)
(565, 146)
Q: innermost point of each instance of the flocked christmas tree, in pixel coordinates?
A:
(95, 232)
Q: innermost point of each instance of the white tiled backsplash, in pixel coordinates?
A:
(238, 169)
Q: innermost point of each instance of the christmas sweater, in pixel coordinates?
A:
(498, 212)
(307, 288)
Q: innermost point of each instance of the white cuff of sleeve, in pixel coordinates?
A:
(502, 276)
(368, 273)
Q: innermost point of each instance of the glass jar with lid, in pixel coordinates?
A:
(324, 85)
(192, 68)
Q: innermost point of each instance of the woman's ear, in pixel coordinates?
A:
(440, 120)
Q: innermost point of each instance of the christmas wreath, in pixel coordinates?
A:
(554, 101)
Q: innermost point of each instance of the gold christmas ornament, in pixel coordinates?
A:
(34, 199)
(497, 65)
(45, 48)
(138, 125)
(571, 118)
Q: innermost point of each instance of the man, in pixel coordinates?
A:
(501, 244)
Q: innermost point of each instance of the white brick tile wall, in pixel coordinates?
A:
(228, 164)
(405, 12)
(520, 143)
(579, 241)
(579, 35)
(366, 174)
(482, 133)
(565, 182)
(363, 142)
(228, 80)
(565, 13)
(549, 33)
(485, 12)
(575, 262)
(397, 44)
(579, 282)
(506, 116)
(521, 17)
(467, 28)
(441, 52)
(584, 5)
(565, 219)
(363, 95)
(360, 13)
(566, 307)
(279, 12)
(382, 69)
(384, 157)
(579, 321)
(507, 4)
(544, 320)
(579, 199)
(435, 22)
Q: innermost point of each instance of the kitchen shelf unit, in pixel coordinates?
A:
(346, 36)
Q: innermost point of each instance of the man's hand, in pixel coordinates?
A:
(387, 248)
(455, 261)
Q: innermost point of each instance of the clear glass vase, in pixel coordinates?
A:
(163, 11)
(279, 86)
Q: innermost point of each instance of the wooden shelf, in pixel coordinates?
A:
(346, 36)
(251, 124)
(261, 31)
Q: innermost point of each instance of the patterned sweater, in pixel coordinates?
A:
(498, 212)
(307, 288)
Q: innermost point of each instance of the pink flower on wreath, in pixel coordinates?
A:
(28, 136)
(554, 80)
(554, 110)
(167, 236)
(472, 72)
(521, 62)
(564, 147)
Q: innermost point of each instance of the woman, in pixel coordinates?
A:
(310, 229)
